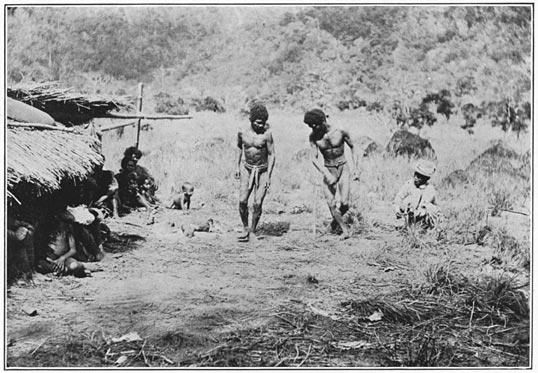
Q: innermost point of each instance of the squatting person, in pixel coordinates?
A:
(256, 143)
(336, 171)
(416, 200)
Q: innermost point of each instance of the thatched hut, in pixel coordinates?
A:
(39, 160)
(46, 162)
(43, 167)
(64, 105)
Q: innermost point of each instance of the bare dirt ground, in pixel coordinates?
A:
(159, 283)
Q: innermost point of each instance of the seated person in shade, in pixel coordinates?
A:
(106, 191)
(416, 200)
(20, 248)
(130, 195)
(58, 256)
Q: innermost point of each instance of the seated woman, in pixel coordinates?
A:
(132, 155)
(58, 255)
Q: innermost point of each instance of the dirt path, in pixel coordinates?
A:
(160, 281)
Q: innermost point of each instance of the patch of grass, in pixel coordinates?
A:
(500, 199)
(452, 320)
(443, 279)
(464, 224)
(511, 251)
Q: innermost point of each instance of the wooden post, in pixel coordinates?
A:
(138, 122)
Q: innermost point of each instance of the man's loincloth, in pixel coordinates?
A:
(255, 171)
(336, 166)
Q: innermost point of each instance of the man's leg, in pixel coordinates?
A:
(259, 196)
(244, 193)
(344, 189)
(330, 195)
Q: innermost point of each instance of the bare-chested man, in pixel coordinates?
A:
(256, 143)
(336, 170)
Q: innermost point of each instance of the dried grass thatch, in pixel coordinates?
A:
(64, 105)
(43, 159)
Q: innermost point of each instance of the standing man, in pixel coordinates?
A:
(256, 143)
(336, 172)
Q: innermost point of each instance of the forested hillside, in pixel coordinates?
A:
(289, 56)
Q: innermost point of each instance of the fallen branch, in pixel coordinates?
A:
(507, 210)
(514, 212)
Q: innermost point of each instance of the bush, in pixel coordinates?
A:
(168, 105)
(208, 104)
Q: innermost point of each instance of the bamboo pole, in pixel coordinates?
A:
(114, 126)
(140, 93)
(39, 126)
(144, 116)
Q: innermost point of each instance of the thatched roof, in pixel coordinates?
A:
(43, 158)
(64, 105)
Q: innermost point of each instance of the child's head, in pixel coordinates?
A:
(132, 181)
(423, 172)
(187, 189)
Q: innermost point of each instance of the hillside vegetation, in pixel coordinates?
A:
(290, 56)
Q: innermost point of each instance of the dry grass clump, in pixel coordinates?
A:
(98, 350)
(273, 228)
(509, 250)
(464, 224)
(453, 320)
(294, 338)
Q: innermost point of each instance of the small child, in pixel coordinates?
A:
(146, 191)
(416, 200)
(130, 196)
(183, 201)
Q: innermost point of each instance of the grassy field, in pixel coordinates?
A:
(203, 151)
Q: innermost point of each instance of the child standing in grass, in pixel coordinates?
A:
(416, 200)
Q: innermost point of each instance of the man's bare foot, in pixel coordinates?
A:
(346, 233)
(244, 236)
